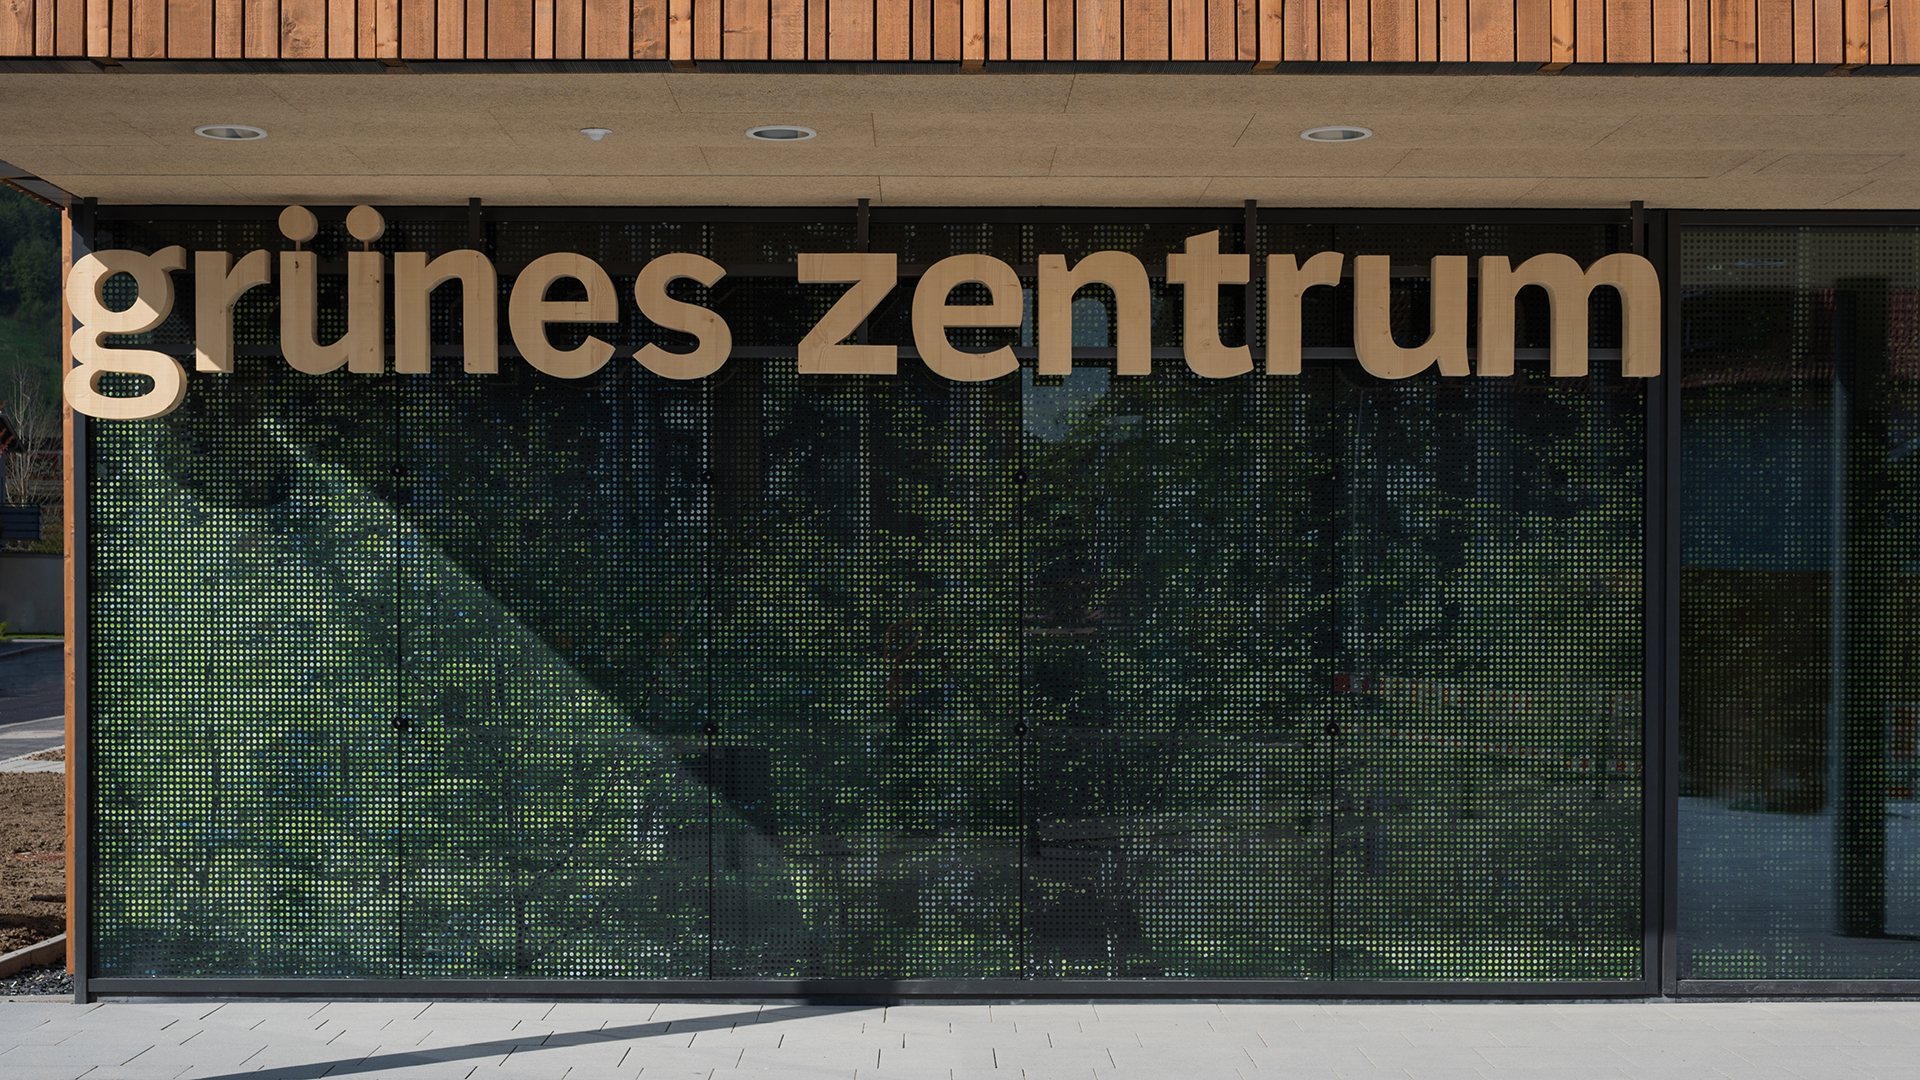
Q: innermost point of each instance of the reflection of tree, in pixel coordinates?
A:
(770, 676)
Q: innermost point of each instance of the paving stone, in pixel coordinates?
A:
(1441, 1072)
(634, 1029)
(653, 1056)
(38, 1036)
(1405, 1057)
(609, 1012)
(933, 1015)
(1829, 1071)
(920, 1054)
(174, 1060)
(379, 1013)
(1445, 1037)
(86, 1051)
(1134, 1041)
(791, 1071)
(583, 1072)
(417, 1069)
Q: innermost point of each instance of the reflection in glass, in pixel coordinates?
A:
(1799, 852)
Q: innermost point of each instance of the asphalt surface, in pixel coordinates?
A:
(32, 697)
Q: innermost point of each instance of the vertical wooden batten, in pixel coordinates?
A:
(1299, 30)
(1455, 31)
(1854, 33)
(261, 29)
(892, 30)
(509, 29)
(1395, 31)
(476, 29)
(1589, 31)
(1269, 20)
(973, 33)
(609, 29)
(1493, 31)
(787, 30)
(1773, 31)
(343, 29)
(849, 29)
(1903, 31)
(303, 29)
(743, 29)
(946, 30)
(1670, 31)
(1097, 29)
(543, 29)
(1144, 29)
(1061, 32)
(1629, 32)
(1560, 51)
(416, 30)
(1027, 30)
(17, 28)
(450, 30)
(1187, 30)
(1829, 31)
(189, 30)
(569, 28)
(1333, 29)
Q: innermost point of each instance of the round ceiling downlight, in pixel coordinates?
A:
(781, 133)
(230, 132)
(1337, 133)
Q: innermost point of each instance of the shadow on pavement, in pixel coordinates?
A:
(398, 1059)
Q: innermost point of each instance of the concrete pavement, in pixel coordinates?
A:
(544, 1040)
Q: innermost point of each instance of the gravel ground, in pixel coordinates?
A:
(34, 981)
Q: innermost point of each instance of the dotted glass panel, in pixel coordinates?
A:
(241, 617)
(865, 677)
(770, 676)
(1175, 638)
(1486, 777)
(1799, 848)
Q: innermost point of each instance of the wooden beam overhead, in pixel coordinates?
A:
(977, 34)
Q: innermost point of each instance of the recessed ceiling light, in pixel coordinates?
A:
(231, 132)
(1338, 133)
(596, 134)
(781, 133)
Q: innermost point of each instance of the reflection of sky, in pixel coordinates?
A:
(1051, 411)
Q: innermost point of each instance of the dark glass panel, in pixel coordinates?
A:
(1486, 780)
(864, 676)
(553, 625)
(1800, 408)
(1174, 629)
(241, 621)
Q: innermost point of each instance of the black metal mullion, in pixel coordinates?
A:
(83, 221)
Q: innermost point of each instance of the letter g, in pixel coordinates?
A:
(86, 283)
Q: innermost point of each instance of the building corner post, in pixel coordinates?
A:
(77, 242)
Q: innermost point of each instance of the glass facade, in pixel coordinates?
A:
(766, 676)
(1799, 847)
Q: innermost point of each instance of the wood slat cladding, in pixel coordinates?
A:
(976, 33)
